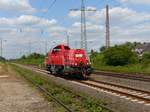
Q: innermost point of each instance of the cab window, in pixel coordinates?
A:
(57, 49)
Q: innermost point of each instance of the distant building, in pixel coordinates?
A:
(141, 48)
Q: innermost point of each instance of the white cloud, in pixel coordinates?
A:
(27, 28)
(30, 20)
(17, 5)
(118, 16)
(147, 2)
(125, 25)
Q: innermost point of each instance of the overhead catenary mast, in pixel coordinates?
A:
(1, 46)
(29, 47)
(68, 40)
(83, 24)
(107, 27)
(83, 27)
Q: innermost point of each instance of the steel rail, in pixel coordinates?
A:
(146, 100)
(123, 75)
(120, 86)
(48, 94)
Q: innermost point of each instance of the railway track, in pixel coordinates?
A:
(132, 94)
(46, 73)
(126, 92)
(138, 77)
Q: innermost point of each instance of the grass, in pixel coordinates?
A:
(134, 68)
(31, 61)
(78, 104)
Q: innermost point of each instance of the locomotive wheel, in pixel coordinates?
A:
(84, 75)
(48, 69)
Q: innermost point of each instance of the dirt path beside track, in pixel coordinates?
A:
(16, 95)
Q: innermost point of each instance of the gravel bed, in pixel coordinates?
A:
(16, 95)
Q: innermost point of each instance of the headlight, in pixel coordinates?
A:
(78, 55)
(76, 64)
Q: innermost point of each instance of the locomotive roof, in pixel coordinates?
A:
(65, 46)
(61, 45)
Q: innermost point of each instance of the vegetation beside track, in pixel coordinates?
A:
(32, 59)
(65, 95)
(121, 58)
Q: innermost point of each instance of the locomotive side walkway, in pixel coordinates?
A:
(16, 95)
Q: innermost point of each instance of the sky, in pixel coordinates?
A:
(24, 24)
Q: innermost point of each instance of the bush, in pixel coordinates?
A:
(2, 59)
(146, 58)
(35, 56)
(119, 55)
(103, 48)
(23, 57)
(97, 59)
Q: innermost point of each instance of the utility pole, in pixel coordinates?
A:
(76, 44)
(1, 46)
(107, 27)
(46, 44)
(45, 47)
(83, 25)
(29, 47)
(68, 41)
(20, 52)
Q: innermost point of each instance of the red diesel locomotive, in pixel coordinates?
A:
(63, 60)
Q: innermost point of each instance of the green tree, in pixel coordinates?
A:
(119, 55)
(35, 56)
(23, 57)
(103, 48)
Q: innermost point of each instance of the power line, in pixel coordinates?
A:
(51, 5)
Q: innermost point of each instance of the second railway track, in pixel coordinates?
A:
(138, 77)
(129, 93)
